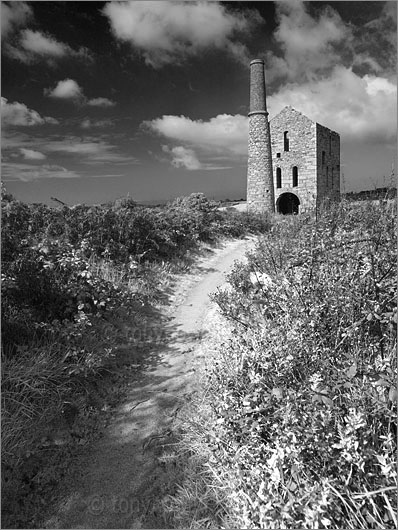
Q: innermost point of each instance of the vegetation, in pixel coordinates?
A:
(378, 193)
(296, 426)
(77, 285)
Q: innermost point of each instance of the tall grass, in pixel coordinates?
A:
(80, 287)
(302, 430)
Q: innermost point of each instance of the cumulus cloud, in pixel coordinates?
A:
(338, 74)
(186, 158)
(19, 114)
(359, 108)
(308, 44)
(37, 43)
(13, 15)
(169, 32)
(313, 40)
(222, 134)
(183, 157)
(220, 138)
(30, 154)
(68, 89)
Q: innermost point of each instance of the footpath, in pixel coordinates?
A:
(119, 480)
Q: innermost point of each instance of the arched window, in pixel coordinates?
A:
(278, 177)
(295, 176)
(285, 141)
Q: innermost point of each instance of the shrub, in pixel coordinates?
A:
(303, 393)
(77, 282)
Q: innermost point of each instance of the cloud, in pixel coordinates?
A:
(89, 124)
(359, 108)
(34, 46)
(169, 32)
(78, 146)
(28, 172)
(89, 151)
(313, 40)
(37, 43)
(222, 134)
(86, 150)
(68, 89)
(14, 14)
(101, 102)
(183, 157)
(308, 44)
(30, 154)
(339, 74)
(376, 42)
(19, 114)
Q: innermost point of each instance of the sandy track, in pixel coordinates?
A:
(119, 479)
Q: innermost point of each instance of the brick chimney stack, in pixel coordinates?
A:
(260, 183)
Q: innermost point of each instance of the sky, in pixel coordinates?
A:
(150, 98)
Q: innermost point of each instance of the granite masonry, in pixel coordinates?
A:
(305, 159)
(260, 187)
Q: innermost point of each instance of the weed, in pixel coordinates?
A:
(80, 284)
(302, 430)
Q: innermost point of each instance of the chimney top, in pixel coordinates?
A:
(257, 61)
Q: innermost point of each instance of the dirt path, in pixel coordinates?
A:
(120, 479)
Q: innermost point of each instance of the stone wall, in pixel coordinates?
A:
(301, 134)
(328, 163)
(296, 141)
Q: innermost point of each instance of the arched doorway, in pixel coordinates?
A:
(288, 203)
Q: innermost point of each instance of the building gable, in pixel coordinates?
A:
(289, 114)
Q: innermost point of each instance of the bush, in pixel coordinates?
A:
(76, 284)
(303, 393)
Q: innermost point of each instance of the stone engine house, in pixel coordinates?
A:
(305, 162)
(293, 162)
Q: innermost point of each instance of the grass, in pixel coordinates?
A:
(82, 292)
(56, 388)
(296, 423)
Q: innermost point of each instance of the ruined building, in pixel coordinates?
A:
(294, 162)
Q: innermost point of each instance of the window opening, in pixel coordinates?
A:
(327, 176)
(323, 158)
(295, 176)
(285, 141)
(278, 155)
(330, 144)
(278, 177)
